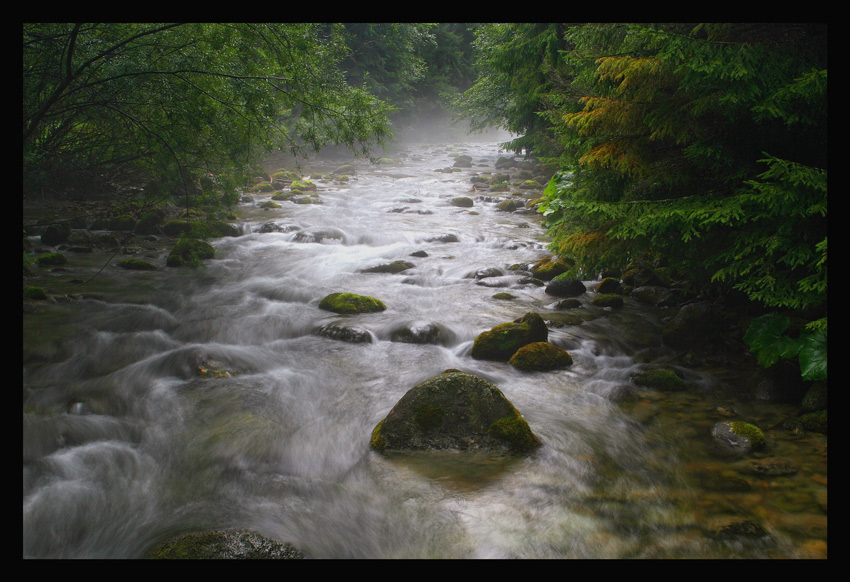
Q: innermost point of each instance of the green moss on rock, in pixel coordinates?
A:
(394, 267)
(502, 341)
(658, 379)
(35, 293)
(608, 300)
(454, 411)
(52, 259)
(132, 264)
(189, 252)
(462, 201)
(540, 357)
(350, 303)
(749, 431)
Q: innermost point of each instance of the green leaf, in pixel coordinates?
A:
(813, 355)
(767, 340)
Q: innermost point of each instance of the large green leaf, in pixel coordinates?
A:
(767, 340)
(812, 355)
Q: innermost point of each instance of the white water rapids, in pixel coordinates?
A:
(125, 446)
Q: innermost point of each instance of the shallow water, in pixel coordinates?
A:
(125, 444)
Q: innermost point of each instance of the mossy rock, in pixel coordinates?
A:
(507, 206)
(462, 201)
(224, 545)
(175, 227)
(132, 264)
(350, 303)
(565, 286)
(609, 285)
(55, 234)
(263, 187)
(454, 411)
(658, 379)
(394, 267)
(52, 260)
(303, 185)
(34, 293)
(269, 204)
(285, 175)
(189, 252)
(504, 296)
(550, 267)
(502, 341)
(737, 436)
(540, 357)
(124, 222)
(280, 196)
(608, 300)
(814, 421)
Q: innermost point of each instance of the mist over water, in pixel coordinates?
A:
(126, 445)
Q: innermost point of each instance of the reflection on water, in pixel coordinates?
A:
(211, 398)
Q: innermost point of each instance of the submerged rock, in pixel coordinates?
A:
(457, 411)
(224, 545)
(502, 341)
(737, 437)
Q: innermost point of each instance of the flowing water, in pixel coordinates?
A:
(125, 444)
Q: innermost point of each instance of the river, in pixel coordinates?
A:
(125, 444)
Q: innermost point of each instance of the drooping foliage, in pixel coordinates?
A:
(702, 147)
(103, 100)
(706, 147)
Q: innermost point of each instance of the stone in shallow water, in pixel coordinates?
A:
(454, 410)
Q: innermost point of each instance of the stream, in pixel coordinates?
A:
(126, 445)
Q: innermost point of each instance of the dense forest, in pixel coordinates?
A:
(697, 148)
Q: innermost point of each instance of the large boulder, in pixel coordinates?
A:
(540, 357)
(564, 286)
(454, 411)
(502, 341)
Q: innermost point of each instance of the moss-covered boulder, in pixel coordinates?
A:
(188, 252)
(462, 201)
(737, 437)
(502, 341)
(540, 357)
(34, 293)
(176, 227)
(133, 264)
(350, 303)
(609, 285)
(608, 300)
(454, 411)
(224, 545)
(565, 286)
(51, 260)
(658, 379)
(550, 267)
